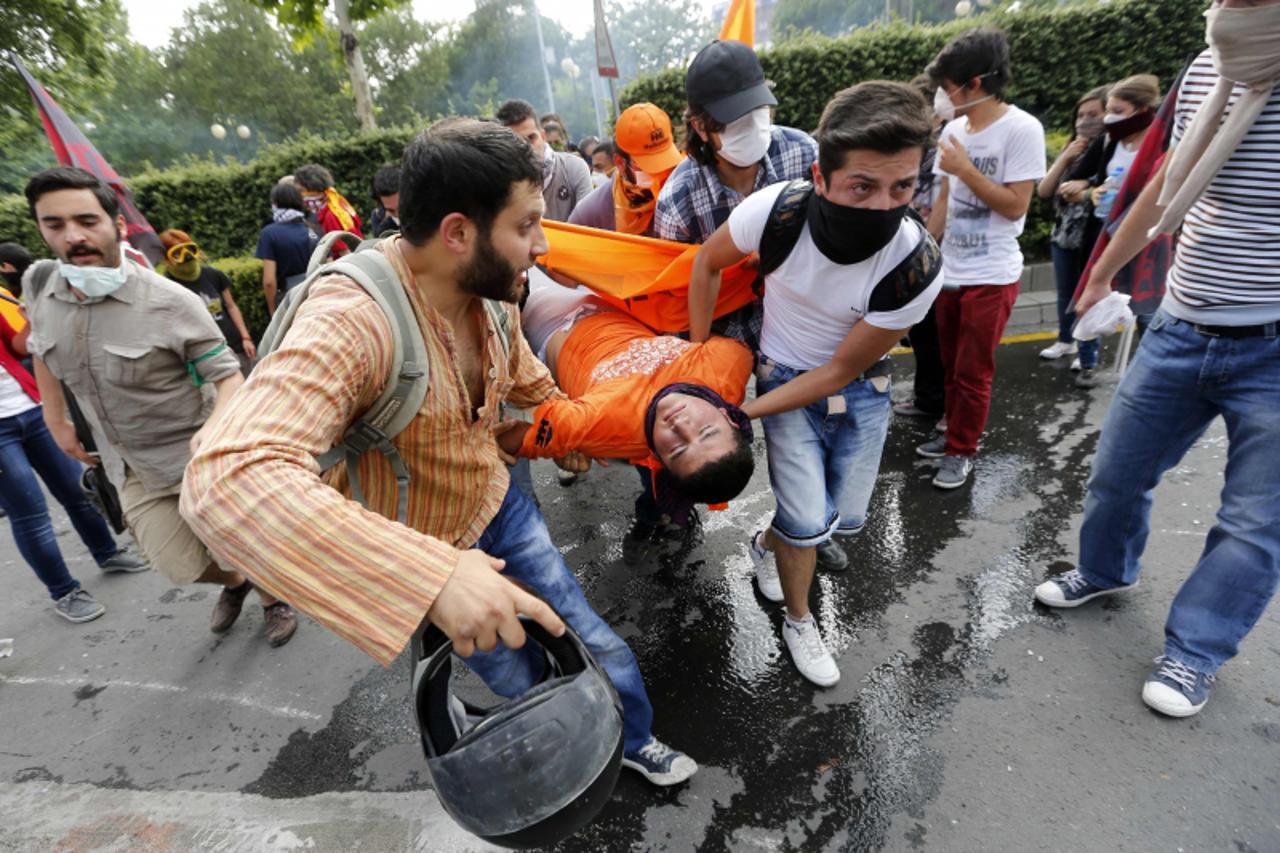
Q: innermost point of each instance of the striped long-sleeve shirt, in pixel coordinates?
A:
(255, 496)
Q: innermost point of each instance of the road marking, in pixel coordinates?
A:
(244, 701)
(1007, 339)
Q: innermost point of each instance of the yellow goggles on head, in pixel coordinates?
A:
(182, 253)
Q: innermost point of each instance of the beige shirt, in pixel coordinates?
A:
(127, 358)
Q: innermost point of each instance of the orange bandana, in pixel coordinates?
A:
(633, 205)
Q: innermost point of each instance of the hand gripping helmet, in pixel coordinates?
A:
(533, 770)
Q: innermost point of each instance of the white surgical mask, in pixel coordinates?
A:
(643, 178)
(943, 108)
(94, 282)
(1113, 118)
(745, 140)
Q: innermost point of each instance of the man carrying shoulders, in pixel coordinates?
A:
(857, 274)
(733, 145)
(470, 225)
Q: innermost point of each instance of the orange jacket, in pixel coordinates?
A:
(611, 366)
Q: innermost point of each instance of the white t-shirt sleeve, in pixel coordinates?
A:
(1025, 160)
(748, 219)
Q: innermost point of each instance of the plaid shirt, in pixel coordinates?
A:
(694, 203)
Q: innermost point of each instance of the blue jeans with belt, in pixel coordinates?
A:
(519, 535)
(1177, 384)
(27, 449)
(823, 458)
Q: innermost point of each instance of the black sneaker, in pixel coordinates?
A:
(660, 764)
(1087, 378)
(1070, 589)
(1175, 689)
(831, 557)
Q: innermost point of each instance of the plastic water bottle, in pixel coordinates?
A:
(1110, 189)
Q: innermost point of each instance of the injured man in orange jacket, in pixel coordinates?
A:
(636, 395)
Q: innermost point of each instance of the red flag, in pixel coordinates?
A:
(1143, 278)
(73, 148)
(606, 62)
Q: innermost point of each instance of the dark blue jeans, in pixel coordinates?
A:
(1068, 266)
(27, 449)
(1178, 383)
(519, 535)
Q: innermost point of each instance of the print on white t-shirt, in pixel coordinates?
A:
(811, 302)
(980, 245)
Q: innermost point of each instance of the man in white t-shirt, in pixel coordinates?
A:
(990, 156)
(847, 272)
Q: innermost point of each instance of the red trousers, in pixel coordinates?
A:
(971, 321)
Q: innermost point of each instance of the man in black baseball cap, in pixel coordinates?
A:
(726, 80)
(734, 148)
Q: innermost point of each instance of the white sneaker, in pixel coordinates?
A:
(809, 652)
(1058, 350)
(1075, 365)
(766, 569)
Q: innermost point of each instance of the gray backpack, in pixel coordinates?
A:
(406, 388)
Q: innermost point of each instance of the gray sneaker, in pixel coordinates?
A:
(78, 606)
(831, 557)
(953, 472)
(934, 448)
(124, 561)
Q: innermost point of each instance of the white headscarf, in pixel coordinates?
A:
(1245, 44)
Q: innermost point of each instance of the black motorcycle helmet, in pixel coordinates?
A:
(533, 770)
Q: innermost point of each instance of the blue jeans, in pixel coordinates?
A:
(1177, 384)
(519, 535)
(1068, 266)
(27, 449)
(823, 459)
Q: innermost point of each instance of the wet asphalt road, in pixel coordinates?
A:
(966, 718)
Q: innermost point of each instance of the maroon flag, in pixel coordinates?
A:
(1143, 278)
(73, 148)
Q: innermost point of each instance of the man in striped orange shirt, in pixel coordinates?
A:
(470, 214)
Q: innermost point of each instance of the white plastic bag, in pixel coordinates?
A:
(1109, 316)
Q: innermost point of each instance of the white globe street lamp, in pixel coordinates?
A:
(243, 131)
(963, 8)
(217, 131)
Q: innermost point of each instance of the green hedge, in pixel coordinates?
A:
(225, 206)
(1058, 55)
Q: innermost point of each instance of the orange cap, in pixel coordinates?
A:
(644, 132)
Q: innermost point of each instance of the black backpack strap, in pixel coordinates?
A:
(786, 221)
(908, 279)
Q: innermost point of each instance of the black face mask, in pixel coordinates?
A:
(13, 282)
(1130, 125)
(850, 235)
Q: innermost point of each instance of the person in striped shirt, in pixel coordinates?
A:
(1212, 349)
(471, 208)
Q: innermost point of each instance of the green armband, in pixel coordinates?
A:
(196, 378)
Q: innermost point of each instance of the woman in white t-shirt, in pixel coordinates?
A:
(1099, 174)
